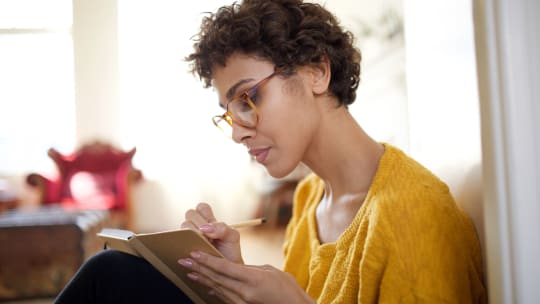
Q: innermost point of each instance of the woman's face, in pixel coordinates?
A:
(288, 117)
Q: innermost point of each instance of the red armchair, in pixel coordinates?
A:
(96, 176)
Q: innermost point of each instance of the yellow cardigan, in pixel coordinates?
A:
(408, 243)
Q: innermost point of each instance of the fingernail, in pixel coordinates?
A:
(206, 228)
(185, 262)
(193, 276)
(196, 255)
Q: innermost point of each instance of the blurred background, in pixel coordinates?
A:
(76, 72)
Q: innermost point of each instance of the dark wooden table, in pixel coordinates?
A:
(42, 248)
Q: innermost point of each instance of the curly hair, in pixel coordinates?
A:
(288, 33)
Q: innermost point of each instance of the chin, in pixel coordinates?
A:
(279, 172)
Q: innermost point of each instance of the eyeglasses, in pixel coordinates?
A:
(241, 109)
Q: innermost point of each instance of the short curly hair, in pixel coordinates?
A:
(289, 33)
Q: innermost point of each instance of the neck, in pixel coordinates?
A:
(343, 155)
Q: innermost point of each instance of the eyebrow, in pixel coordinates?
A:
(232, 90)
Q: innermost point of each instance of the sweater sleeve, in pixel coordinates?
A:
(421, 247)
(430, 258)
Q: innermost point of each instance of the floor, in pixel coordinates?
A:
(262, 246)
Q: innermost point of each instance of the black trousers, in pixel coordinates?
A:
(115, 277)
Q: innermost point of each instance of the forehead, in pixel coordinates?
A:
(239, 73)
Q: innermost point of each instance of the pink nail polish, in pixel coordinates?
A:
(185, 262)
(206, 228)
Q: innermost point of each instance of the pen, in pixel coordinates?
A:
(249, 223)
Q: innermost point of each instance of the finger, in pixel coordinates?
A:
(221, 231)
(221, 266)
(216, 289)
(193, 216)
(190, 225)
(206, 211)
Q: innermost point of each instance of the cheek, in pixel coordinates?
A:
(290, 129)
(289, 149)
(287, 122)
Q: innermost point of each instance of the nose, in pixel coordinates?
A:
(241, 133)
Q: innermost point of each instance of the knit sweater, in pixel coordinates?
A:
(408, 243)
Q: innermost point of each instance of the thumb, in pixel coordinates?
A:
(220, 231)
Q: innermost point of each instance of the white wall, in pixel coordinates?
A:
(166, 113)
(95, 44)
(508, 44)
(444, 118)
(381, 105)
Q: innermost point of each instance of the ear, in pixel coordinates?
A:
(320, 76)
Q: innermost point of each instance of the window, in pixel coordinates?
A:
(37, 107)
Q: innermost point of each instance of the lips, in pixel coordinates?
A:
(260, 155)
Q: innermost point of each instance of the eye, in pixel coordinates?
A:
(253, 95)
(241, 104)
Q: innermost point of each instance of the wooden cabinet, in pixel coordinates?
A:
(41, 249)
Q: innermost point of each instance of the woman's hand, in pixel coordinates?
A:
(237, 283)
(223, 237)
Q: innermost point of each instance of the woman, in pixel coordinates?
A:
(370, 225)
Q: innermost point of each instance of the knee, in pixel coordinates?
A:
(109, 261)
(108, 256)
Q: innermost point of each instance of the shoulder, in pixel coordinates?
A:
(404, 190)
(403, 178)
(416, 211)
